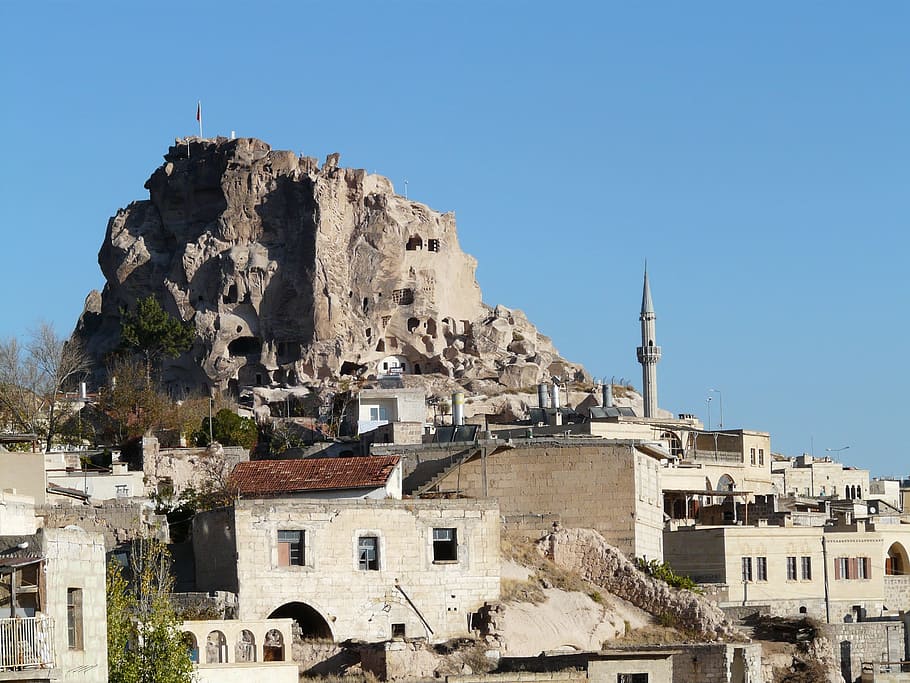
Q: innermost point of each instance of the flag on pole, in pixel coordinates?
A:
(199, 115)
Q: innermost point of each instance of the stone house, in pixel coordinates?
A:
(366, 569)
(376, 407)
(607, 485)
(845, 572)
(53, 623)
(819, 477)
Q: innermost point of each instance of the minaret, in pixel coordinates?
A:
(649, 351)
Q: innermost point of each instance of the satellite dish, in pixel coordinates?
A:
(873, 510)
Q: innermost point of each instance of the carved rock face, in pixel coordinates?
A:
(291, 272)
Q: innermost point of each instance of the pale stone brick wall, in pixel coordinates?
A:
(865, 642)
(718, 663)
(897, 593)
(359, 603)
(119, 521)
(608, 487)
(75, 559)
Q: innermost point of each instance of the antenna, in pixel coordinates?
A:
(405, 188)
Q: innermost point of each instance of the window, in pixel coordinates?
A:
(433, 244)
(368, 552)
(74, 618)
(747, 569)
(398, 630)
(761, 456)
(122, 490)
(791, 568)
(863, 568)
(445, 545)
(841, 568)
(752, 455)
(379, 413)
(761, 568)
(631, 678)
(806, 563)
(290, 548)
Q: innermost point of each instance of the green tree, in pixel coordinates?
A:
(228, 429)
(153, 333)
(144, 642)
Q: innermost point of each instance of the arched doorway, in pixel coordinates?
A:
(312, 623)
(896, 563)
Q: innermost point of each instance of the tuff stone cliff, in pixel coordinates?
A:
(293, 273)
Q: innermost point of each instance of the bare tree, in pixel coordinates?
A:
(32, 376)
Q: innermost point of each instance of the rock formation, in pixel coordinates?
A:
(585, 552)
(292, 272)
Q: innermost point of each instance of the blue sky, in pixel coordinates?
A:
(755, 155)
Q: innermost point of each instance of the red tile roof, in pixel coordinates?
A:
(274, 477)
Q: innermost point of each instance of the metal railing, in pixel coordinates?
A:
(26, 642)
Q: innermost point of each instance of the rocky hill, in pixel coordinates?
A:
(293, 272)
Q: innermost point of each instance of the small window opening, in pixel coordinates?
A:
(445, 545)
(398, 630)
(414, 243)
(432, 245)
(290, 548)
(368, 553)
(413, 324)
(74, 618)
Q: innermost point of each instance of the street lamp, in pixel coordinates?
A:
(836, 450)
(718, 392)
(708, 402)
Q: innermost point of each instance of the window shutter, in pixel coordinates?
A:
(852, 572)
(837, 568)
(284, 554)
(867, 568)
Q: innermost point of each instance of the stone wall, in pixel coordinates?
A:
(118, 521)
(429, 597)
(570, 676)
(718, 663)
(184, 467)
(865, 642)
(606, 486)
(75, 560)
(897, 592)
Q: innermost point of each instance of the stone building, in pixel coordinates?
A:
(610, 486)
(845, 572)
(819, 477)
(367, 569)
(52, 603)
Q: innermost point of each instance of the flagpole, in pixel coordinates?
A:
(199, 116)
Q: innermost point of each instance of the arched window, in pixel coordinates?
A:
(273, 647)
(216, 648)
(414, 243)
(245, 650)
(189, 640)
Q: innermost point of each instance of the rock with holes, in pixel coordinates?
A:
(294, 273)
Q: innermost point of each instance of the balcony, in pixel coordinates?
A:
(26, 642)
(713, 456)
